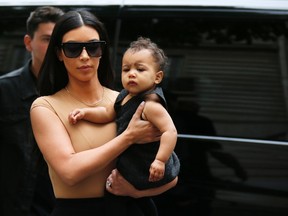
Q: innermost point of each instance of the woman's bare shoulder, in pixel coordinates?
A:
(40, 101)
(110, 93)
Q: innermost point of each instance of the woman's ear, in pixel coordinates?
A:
(159, 77)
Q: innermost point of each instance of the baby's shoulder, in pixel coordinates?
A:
(152, 98)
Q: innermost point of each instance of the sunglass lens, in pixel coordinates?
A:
(94, 49)
(72, 50)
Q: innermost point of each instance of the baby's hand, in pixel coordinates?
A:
(156, 170)
(75, 115)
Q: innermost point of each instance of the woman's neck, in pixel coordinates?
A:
(88, 95)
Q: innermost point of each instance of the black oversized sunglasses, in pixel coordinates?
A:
(74, 49)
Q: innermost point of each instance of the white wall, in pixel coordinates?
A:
(253, 4)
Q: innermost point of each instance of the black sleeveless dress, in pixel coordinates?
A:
(135, 162)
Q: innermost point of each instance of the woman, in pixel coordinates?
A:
(77, 72)
(145, 166)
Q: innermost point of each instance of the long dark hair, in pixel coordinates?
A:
(53, 74)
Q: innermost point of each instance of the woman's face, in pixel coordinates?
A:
(82, 67)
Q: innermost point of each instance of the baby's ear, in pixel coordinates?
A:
(159, 77)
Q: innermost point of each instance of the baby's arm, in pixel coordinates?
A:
(155, 113)
(92, 114)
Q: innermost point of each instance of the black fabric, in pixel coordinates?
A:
(127, 206)
(135, 162)
(25, 185)
(110, 205)
(80, 207)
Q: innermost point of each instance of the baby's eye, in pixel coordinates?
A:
(125, 69)
(141, 69)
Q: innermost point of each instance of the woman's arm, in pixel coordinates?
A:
(55, 144)
(119, 186)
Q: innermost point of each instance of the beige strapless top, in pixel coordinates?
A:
(84, 135)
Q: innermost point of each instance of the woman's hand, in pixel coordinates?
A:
(141, 130)
(117, 185)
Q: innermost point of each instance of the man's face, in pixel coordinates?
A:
(38, 45)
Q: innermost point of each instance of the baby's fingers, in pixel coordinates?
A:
(155, 175)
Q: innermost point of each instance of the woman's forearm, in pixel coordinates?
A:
(155, 191)
(118, 185)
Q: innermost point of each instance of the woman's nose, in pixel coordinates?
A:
(84, 54)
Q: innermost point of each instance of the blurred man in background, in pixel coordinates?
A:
(25, 186)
